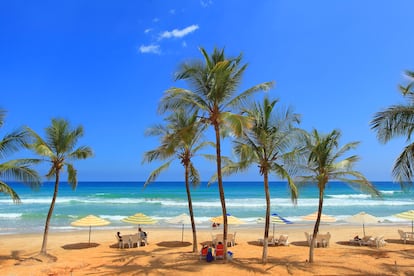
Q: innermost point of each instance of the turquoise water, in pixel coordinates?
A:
(163, 200)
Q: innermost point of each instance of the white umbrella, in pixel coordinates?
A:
(180, 219)
(90, 221)
(363, 218)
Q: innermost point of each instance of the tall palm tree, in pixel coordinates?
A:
(212, 91)
(268, 143)
(16, 169)
(180, 138)
(59, 149)
(398, 121)
(323, 164)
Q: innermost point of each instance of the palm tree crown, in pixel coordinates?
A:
(398, 121)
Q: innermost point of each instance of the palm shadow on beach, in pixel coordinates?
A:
(80, 245)
(174, 244)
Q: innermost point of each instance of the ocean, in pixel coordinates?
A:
(163, 200)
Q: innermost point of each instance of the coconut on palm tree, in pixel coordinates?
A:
(59, 148)
(267, 144)
(212, 92)
(15, 169)
(324, 162)
(180, 139)
(398, 121)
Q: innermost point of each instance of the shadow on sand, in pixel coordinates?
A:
(81, 245)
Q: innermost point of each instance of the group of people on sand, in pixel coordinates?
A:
(142, 234)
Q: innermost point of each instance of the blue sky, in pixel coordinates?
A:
(106, 64)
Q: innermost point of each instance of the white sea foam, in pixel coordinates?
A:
(10, 215)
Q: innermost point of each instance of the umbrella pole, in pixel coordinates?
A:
(363, 228)
(90, 234)
(273, 230)
(182, 233)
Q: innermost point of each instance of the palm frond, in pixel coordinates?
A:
(6, 189)
(403, 166)
(155, 173)
(72, 175)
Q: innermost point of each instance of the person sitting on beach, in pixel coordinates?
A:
(143, 236)
(204, 251)
(119, 236)
(357, 238)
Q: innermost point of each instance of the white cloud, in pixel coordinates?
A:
(172, 11)
(184, 44)
(147, 30)
(150, 49)
(206, 3)
(155, 20)
(179, 33)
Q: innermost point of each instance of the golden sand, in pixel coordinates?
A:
(167, 255)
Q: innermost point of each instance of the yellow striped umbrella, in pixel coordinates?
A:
(139, 218)
(90, 221)
(324, 218)
(230, 220)
(408, 215)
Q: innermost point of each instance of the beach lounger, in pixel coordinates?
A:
(283, 240)
(270, 241)
(366, 240)
(377, 242)
(322, 240)
(406, 236)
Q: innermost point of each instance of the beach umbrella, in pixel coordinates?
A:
(230, 220)
(363, 218)
(180, 219)
(324, 218)
(90, 221)
(408, 215)
(275, 219)
(139, 218)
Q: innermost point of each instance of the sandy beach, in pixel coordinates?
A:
(167, 255)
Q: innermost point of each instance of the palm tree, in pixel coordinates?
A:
(322, 153)
(59, 148)
(213, 85)
(179, 139)
(267, 144)
(17, 169)
(397, 121)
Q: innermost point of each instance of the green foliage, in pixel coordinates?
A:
(398, 121)
(18, 169)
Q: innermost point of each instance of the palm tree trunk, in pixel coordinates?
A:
(221, 189)
(190, 209)
(49, 215)
(267, 219)
(316, 228)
